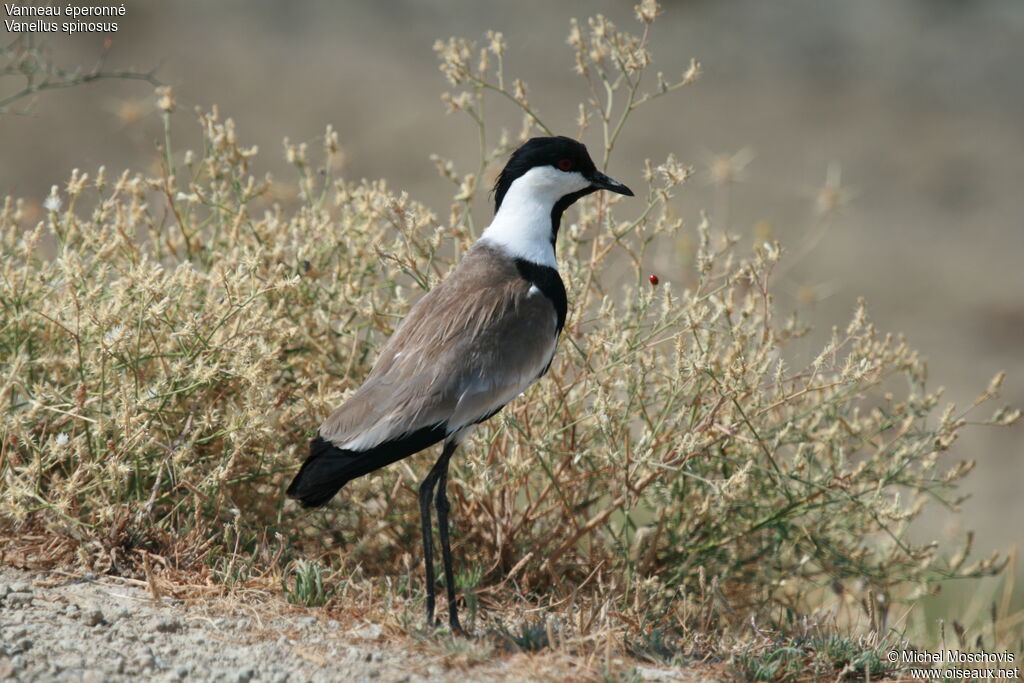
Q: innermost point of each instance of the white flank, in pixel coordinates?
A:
(485, 393)
(522, 225)
(385, 430)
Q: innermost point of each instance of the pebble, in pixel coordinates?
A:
(92, 617)
(18, 599)
(166, 625)
(651, 673)
(369, 632)
(73, 663)
(144, 657)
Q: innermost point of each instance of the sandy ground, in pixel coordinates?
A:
(57, 627)
(88, 628)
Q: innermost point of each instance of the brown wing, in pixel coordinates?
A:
(468, 347)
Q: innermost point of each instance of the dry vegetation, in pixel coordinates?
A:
(681, 485)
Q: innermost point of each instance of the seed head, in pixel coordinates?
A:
(165, 99)
(53, 202)
(647, 11)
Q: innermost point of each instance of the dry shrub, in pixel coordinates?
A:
(171, 342)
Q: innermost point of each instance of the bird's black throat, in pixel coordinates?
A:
(561, 205)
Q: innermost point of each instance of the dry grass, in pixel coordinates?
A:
(680, 486)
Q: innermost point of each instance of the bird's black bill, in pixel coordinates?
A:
(602, 182)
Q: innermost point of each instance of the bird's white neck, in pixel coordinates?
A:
(522, 226)
(523, 230)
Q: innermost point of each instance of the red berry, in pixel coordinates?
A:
(653, 280)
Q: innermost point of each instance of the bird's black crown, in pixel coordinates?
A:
(561, 152)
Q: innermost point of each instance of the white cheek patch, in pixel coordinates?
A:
(549, 180)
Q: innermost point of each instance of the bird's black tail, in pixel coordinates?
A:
(325, 471)
(328, 467)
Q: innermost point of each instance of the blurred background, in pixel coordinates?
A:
(914, 109)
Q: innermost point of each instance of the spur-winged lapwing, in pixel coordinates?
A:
(469, 346)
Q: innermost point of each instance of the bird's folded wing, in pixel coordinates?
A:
(468, 347)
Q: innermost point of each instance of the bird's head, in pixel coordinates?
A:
(557, 170)
(540, 181)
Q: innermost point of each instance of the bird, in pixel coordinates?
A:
(466, 348)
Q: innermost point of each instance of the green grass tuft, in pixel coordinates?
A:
(304, 584)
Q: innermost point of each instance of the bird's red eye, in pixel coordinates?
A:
(565, 164)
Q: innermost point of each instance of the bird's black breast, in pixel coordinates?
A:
(548, 281)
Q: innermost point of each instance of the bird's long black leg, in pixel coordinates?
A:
(443, 506)
(426, 493)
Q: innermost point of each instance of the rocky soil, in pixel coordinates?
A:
(57, 627)
(85, 628)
